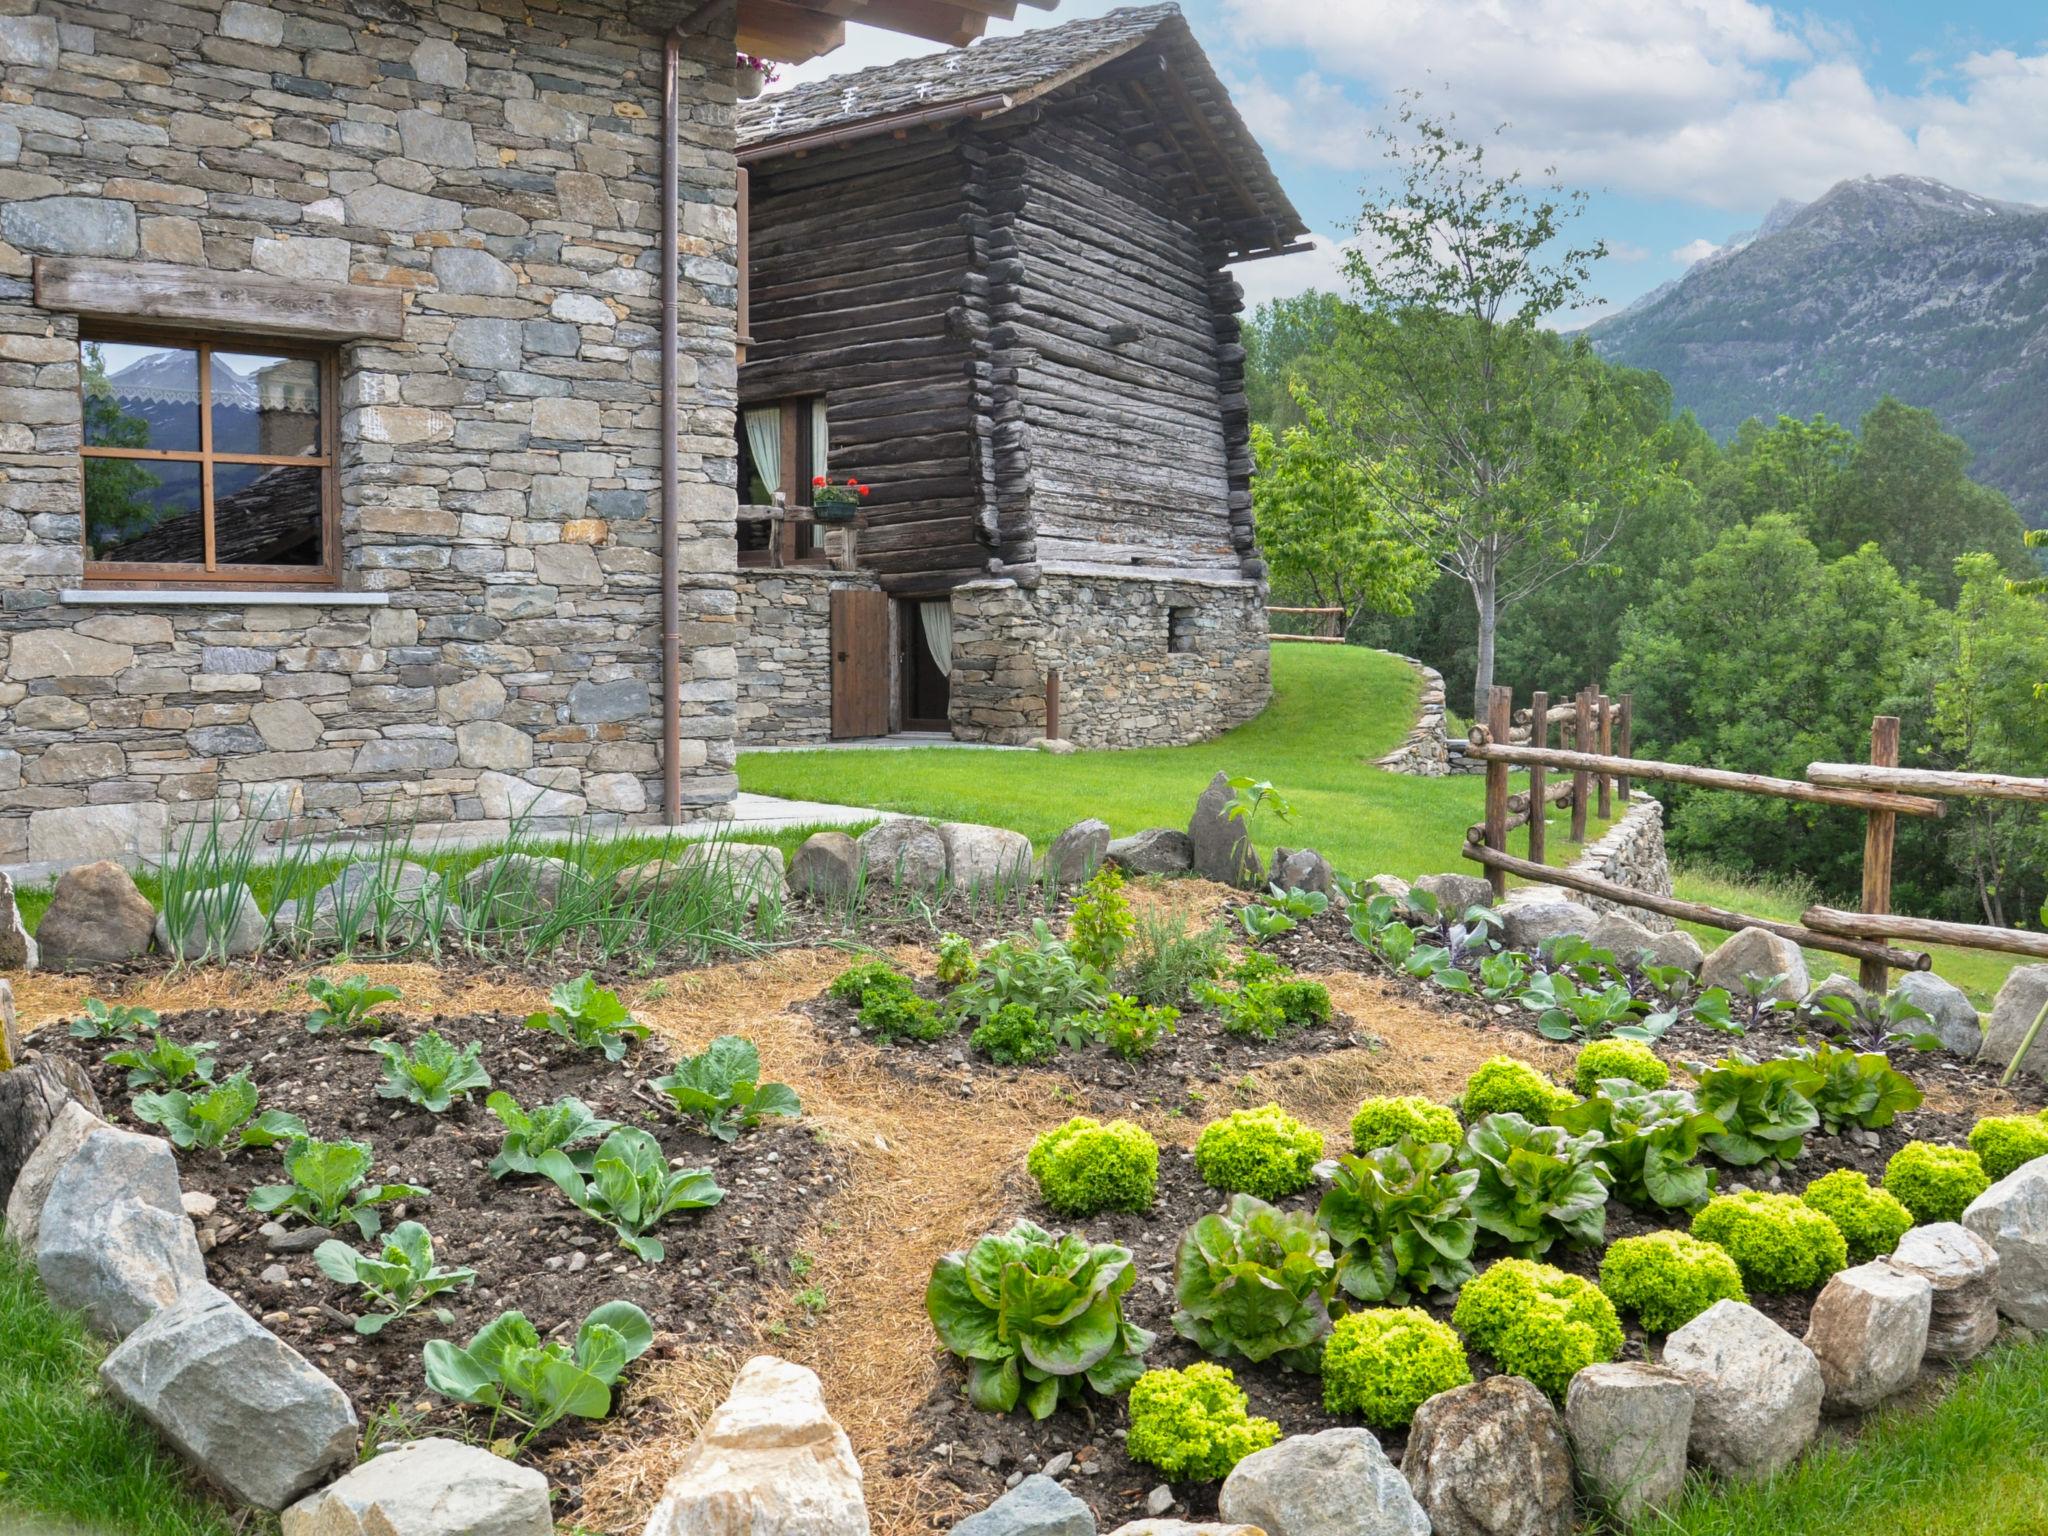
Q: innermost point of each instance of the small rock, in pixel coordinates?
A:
(1336, 1483)
(826, 867)
(274, 1277)
(1963, 1270)
(1057, 1467)
(1629, 1424)
(297, 1239)
(1155, 851)
(18, 950)
(2012, 1216)
(1188, 1528)
(1868, 1330)
(96, 917)
(198, 1204)
(1303, 869)
(1034, 1506)
(428, 1488)
(1057, 746)
(1077, 852)
(1491, 1460)
(1756, 1390)
(1758, 953)
(1160, 1500)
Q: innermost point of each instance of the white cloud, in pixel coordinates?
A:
(1627, 252)
(1282, 277)
(1694, 251)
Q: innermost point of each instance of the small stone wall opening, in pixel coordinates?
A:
(1180, 631)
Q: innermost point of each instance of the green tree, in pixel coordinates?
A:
(1504, 453)
(1320, 527)
(1284, 339)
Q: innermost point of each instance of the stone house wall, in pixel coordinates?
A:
(785, 652)
(496, 646)
(1143, 661)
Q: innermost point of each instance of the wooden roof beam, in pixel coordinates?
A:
(775, 29)
(935, 20)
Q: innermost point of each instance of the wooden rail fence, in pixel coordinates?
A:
(1333, 626)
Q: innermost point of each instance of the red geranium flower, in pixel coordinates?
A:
(862, 489)
(817, 480)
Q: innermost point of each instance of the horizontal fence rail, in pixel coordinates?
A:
(1926, 930)
(1929, 781)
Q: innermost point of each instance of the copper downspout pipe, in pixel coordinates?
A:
(671, 419)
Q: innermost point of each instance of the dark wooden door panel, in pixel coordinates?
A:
(860, 663)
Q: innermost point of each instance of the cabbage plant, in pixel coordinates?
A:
(208, 1119)
(1764, 1107)
(530, 1133)
(507, 1369)
(1537, 1183)
(1649, 1142)
(400, 1278)
(433, 1074)
(1401, 1219)
(589, 1017)
(722, 1087)
(631, 1188)
(329, 1185)
(1256, 1281)
(1038, 1317)
(1859, 1088)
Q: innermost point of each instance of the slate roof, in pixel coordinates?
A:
(1032, 64)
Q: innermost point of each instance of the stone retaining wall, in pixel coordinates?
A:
(1424, 753)
(784, 652)
(1143, 661)
(498, 466)
(1631, 853)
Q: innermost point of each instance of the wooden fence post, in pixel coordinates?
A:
(1052, 703)
(1878, 834)
(1500, 711)
(1605, 749)
(1539, 776)
(1582, 782)
(1623, 741)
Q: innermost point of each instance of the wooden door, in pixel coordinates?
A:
(860, 663)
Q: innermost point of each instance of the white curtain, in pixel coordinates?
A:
(937, 619)
(764, 441)
(821, 459)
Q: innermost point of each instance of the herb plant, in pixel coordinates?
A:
(166, 1064)
(1537, 1184)
(1015, 1036)
(956, 959)
(889, 1015)
(1039, 971)
(721, 1086)
(328, 1186)
(558, 1127)
(209, 1119)
(113, 1021)
(1129, 1028)
(347, 1005)
(631, 1188)
(507, 1369)
(1401, 1219)
(400, 1279)
(1166, 959)
(857, 983)
(1256, 1281)
(1101, 924)
(433, 1074)
(590, 1017)
(1038, 1317)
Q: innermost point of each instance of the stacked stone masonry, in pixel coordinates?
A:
(499, 465)
(1424, 752)
(1631, 853)
(784, 631)
(1142, 661)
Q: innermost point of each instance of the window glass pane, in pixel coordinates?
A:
(150, 511)
(265, 404)
(141, 396)
(266, 514)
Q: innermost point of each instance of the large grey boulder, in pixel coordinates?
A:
(980, 858)
(1038, 1506)
(1303, 869)
(1154, 851)
(428, 1488)
(223, 921)
(1336, 1483)
(1393, 887)
(1218, 845)
(1532, 917)
(1759, 953)
(18, 951)
(826, 868)
(1629, 1424)
(1962, 1268)
(33, 1098)
(1633, 944)
(10, 1028)
(770, 1462)
(753, 871)
(96, 917)
(514, 889)
(1454, 893)
(70, 1120)
(2012, 1216)
(2018, 1004)
(1491, 1459)
(1837, 985)
(1868, 1330)
(234, 1399)
(1077, 852)
(396, 894)
(1756, 1390)
(904, 851)
(1950, 1014)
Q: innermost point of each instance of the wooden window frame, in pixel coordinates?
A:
(796, 453)
(166, 575)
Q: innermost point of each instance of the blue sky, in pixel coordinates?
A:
(1683, 120)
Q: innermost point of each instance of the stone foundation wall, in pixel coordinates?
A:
(1631, 854)
(785, 653)
(499, 465)
(1143, 661)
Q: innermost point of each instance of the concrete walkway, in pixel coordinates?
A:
(767, 813)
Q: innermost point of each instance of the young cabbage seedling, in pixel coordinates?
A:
(113, 1021)
(346, 1005)
(632, 1189)
(328, 1187)
(433, 1074)
(507, 1369)
(399, 1279)
(590, 1017)
(529, 1134)
(722, 1087)
(209, 1119)
(166, 1064)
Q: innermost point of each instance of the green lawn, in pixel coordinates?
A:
(1972, 1465)
(1334, 709)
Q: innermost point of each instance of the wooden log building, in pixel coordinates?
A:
(992, 286)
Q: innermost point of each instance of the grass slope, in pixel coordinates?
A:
(1334, 710)
(67, 1453)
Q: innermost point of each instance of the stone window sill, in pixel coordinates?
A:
(213, 597)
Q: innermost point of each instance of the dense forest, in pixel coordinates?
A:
(1761, 598)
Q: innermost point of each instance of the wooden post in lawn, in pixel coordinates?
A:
(1052, 704)
(1623, 741)
(1582, 782)
(1500, 714)
(1539, 808)
(1878, 834)
(1605, 749)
